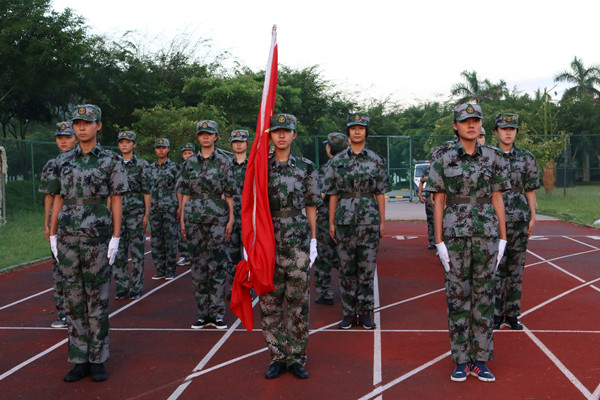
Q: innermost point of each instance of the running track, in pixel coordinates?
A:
(155, 354)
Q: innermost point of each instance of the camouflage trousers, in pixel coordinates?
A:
(470, 289)
(510, 270)
(132, 239)
(164, 233)
(86, 279)
(234, 247)
(357, 247)
(326, 260)
(59, 297)
(291, 281)
(209, 258)
(429, 214)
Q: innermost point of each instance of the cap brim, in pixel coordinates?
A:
(469, 116)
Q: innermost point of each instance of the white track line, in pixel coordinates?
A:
(580, 242)
(376, 334)
(557, 267)
(561, 257)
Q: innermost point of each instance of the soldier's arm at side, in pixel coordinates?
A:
(147, 200)
(333, 201)
(498, 205)
(57, 204)
(532, 203)
(48, 199)
(380, 199)
(229, 226)
(438, 215)
(117, 214)
(420, 192)
(184, 199)
(311, 215)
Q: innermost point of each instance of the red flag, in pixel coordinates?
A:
(257, 226)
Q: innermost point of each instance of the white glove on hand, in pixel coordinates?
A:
(113, 247)
(501, 248)
(313, 252)
(444, 257)
(53, 246)
(244, 253)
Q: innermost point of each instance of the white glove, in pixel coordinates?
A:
(444, 257)
(501, 248)
(113, 247)
(53, 246)
(313, 251)
(244, 253)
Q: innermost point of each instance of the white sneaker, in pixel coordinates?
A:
(59, 323)
(182, 261)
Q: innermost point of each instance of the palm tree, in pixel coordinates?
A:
(584, 79)
(475, 91)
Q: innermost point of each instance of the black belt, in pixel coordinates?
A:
(515, 190)
(355, 195)
(292, 212)
(205, 196)
(83, 202)
(468, 200)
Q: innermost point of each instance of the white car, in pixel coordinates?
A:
(418, 173)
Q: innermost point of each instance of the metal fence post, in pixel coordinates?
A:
(33, 175)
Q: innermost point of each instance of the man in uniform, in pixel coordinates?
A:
(328, 257)
(357, 181)
(470, 236)
(426, 199)
(519, 206)
(81, 239)
(65, 140)
(187, 151)
(481, 138)
(293, 187)
(136, 211)
(239, 162)
(164, 221)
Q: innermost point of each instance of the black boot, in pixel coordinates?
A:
(98, 372)
(78, 372)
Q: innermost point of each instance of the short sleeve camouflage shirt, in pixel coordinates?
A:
(239, 175)
(352, 173)
(48, 174)
(461, 175)
(133, 200)
(161, 180)
(523, 178)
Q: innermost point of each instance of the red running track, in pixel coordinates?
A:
(155, 354)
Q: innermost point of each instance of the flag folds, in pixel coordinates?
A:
(257, 226)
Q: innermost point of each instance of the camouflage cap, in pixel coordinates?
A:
(337, 142)
(358, 119)
(482, 133)
(129, 135)
(207, 126)
(86, 112)
(64, 128)
(467, 110)
(239, 135)
(283, 121)
(507, 120)
(161, 142)
(188, 146)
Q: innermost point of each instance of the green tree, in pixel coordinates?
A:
(475, 91)
(584, 80)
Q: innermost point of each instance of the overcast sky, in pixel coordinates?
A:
(411, 51)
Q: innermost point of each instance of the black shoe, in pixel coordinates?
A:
(220, 324)
(135, 295)
(78, 372)
(513, 323)
(347, 322)
(121, 295)
(366, 321)
(498, 322)
(275, 369)
(158, 276)
(169, 277)
(324, 300)
(298, 371)
(98, 372)
(201, 323)
(431, 246)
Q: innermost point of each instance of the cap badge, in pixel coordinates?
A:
(81, 111)
(63, 127)
(281, 119)
(508, 118)
(357, 117)
(470, 110)
(204, 125)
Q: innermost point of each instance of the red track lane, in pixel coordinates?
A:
(153, 349)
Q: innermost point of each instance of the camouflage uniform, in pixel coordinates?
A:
(356, 179)
(83, 235)
(206, 215)
(293, 185)
(428, 209)
(164, 227)
(523, 178)
(132, 233)
(182, 244)
(470, 232)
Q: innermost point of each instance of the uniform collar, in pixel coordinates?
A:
(462, 153)
(95, 151)
(291, 162)
(362, 153)
(211, 157)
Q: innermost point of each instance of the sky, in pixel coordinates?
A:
(408, 51)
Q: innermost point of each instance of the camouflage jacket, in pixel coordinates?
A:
(133, 200)
(209, 177)
(94, 175)
(523, 178)
(48, 173)
(160, 181)
(424, 192)
(323, 210)
(460, 175)
(293, 185)
(239, 174)
(355, 174)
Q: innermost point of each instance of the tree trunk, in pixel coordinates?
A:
(586, 165)
(549, 179)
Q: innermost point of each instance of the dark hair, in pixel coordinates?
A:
(348, 130)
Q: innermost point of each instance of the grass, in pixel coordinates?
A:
(581, 204)
(22, 238)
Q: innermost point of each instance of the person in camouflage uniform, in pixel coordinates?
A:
(136, 212)
(207, 186)
(65, 140)
(519, 206)
(357, 181)
(481, 138)
(239, 146)
(81, 229)
(187, 151)
(164, 219)
(467, 179)
(293, 187)
(426, 199)
(326, 247)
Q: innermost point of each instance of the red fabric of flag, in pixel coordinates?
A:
(257, 226)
